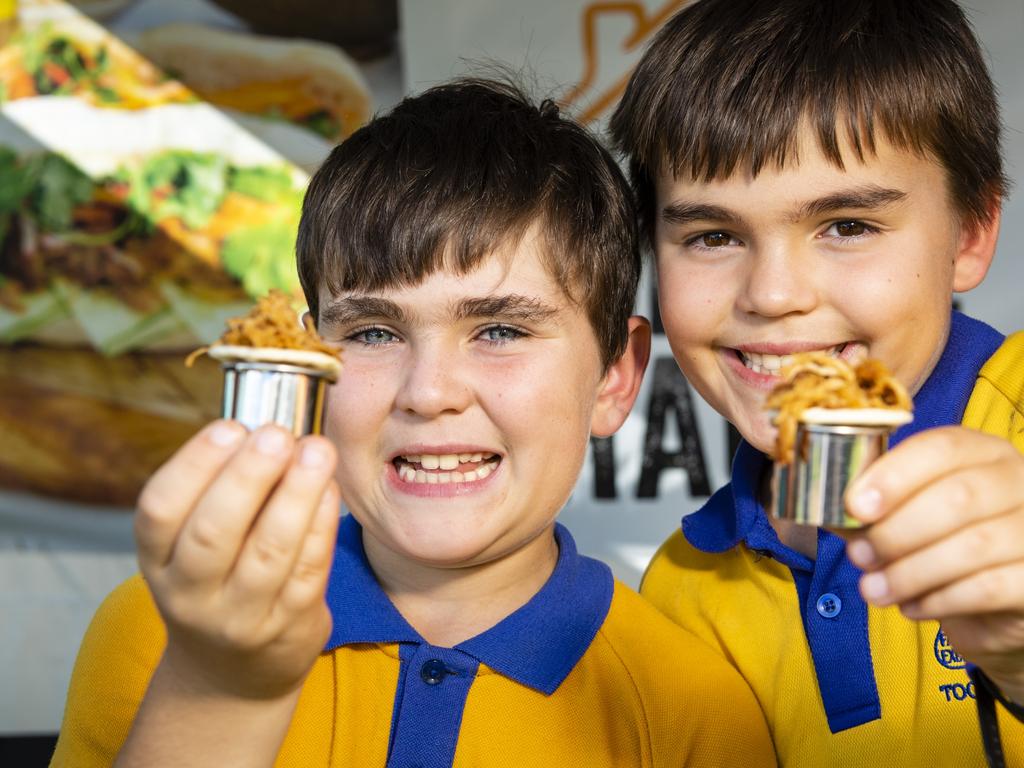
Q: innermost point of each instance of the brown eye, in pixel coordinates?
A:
(715, 239)
(850, 228)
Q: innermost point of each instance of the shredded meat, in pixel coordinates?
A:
(818, 380)
(271, 323)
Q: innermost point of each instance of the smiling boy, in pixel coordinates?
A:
(475, 258)
(824, 175)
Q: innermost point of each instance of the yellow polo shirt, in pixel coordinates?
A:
(585, 674)
(842, 683)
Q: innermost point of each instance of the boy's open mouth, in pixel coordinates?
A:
(437, 469)
(771, 365)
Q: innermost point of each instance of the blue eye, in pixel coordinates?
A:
(501, 334)
(373, 337)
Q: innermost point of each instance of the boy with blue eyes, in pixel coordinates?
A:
(824, 175)
(476, 259)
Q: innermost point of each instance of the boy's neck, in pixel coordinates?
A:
(450, 605)
(800, 538)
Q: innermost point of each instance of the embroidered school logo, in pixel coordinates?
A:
(944, 653)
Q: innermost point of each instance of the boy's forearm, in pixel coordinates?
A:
(178, 724)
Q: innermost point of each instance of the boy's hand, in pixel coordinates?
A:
(946, 542)
(236, 534)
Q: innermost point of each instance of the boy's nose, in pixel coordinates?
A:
(778, 282)
(435, 382)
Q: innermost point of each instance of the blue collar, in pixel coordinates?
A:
(537, 645)
(734, 514)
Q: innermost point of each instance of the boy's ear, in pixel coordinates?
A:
(975, 250)
(621, 382)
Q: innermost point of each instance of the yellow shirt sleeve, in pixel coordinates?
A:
(698, 708)
(119, 652)
(997, 403)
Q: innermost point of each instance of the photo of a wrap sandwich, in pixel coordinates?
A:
(833, 418)
(312, 85)
(100, 281)
(135, 220)
(57, 51)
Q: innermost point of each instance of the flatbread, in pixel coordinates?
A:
(318, 361)
(856, 417)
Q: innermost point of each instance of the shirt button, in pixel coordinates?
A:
(433, 672)
(829, 605)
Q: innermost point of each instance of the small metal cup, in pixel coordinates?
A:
(827, 458)
(291, 396)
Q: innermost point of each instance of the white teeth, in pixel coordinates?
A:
(409, 474)
(771, 364)
(447, 461)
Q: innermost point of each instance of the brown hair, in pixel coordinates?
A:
(726, 84)
(458, 172)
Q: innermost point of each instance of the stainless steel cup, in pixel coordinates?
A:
(826, 460)
(272, 393)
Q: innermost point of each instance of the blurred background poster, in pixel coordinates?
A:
(153, 155)
(151, 190)
(153, 158)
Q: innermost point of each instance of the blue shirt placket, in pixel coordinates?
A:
(834, 615)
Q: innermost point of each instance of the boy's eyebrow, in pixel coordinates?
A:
(512, 306)
(350, 308)
(867, 197)
(682, 212)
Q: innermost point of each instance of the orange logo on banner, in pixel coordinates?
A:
(644, 26)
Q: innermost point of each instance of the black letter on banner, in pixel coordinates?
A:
(657, 327)
(732, 440)
(603, 456)
(669, 390)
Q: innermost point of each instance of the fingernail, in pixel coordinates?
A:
(861, 553)
(271, 441)
(312, 455)
(224, 433)
(874, 587)
(866, 503)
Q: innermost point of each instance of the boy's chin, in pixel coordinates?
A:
(438, 548)
(761, 434)
(442, 549)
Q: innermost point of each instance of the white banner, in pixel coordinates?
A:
(674, 449)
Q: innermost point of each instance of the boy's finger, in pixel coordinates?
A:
(955, 501)
(308, 580)
(276, 539)
(915, 463)
(212, 536)
(989, 543)
(994, 590)
(174, 489)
